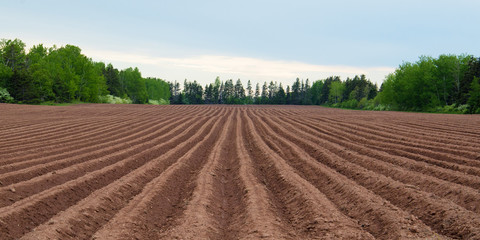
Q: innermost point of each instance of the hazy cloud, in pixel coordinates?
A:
(239, 67)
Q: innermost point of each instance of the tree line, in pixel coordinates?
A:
(64, 75)
(449, 83)
(329, 91)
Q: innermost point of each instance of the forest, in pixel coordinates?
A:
(447, 84)
(66, 75)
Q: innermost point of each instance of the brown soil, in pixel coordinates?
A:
(97, 171)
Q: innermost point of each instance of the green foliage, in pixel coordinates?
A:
(53, 103)
(5, 96)
(112, 79)
(461, 109)
(474, 99)
(13, 54)
(472, 70)
(428, 84)
(447, 84)
(40, 68)
(134, 85)
(316, 92)
(14, 72)
(114, 99)
(358, 88)
(158, 102)
(386, 95)
(157, 89)
(336, 92)
(5, 75)
(193, 93)
(66, 75)
(69, 75)
(351, 104)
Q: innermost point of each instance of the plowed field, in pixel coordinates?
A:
(236, 172)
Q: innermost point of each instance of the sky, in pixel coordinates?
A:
(257, 40)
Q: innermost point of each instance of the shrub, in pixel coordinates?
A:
(382, 107)
(158, 102)
(462, 109)
(114, 99)
(5, 96)
(351, 104)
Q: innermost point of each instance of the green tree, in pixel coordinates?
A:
(193, 92)
(249, 92)
(239, 91)
(414, 85)
(474, 96)
(386, 94)
(175, 93)
(264, 98)
(216, 90)
(324, 97)
(5, 75)
(112, 78)
(336, 91)
(316, 92)
(280, 96)
(16, 79)
(288, 95)
(472, 71)
(38, 67)
(208, 94)
(307, 98)
(135, 87)
(296, 92)
(257, 93)
(157, 89)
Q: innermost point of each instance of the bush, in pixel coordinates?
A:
(463, 108)
(351, 104)
(114, 99)
(362, 104)
(381, 107)
(158, 102)
(5, 96)
(460, 109)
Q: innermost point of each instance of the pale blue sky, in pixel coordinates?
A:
(257, 40)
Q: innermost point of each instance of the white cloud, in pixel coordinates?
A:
(204, 68)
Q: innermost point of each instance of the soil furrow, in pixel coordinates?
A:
(39, 208)
(461, 195)
(449, 219)
(309, 211)
(52, 178)
(65, 150)
(261, 219)
(451, 175)
(63, 142)
(208, 214)
(44, 144)
(105, 171)
(83, 152)
(44, 128)
(89, 215)
(57, 131)
(164, 199)
(389, 126)
(444, 152)
(416, 136)
(373, 213)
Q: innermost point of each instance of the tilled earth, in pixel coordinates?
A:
(99, 171)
